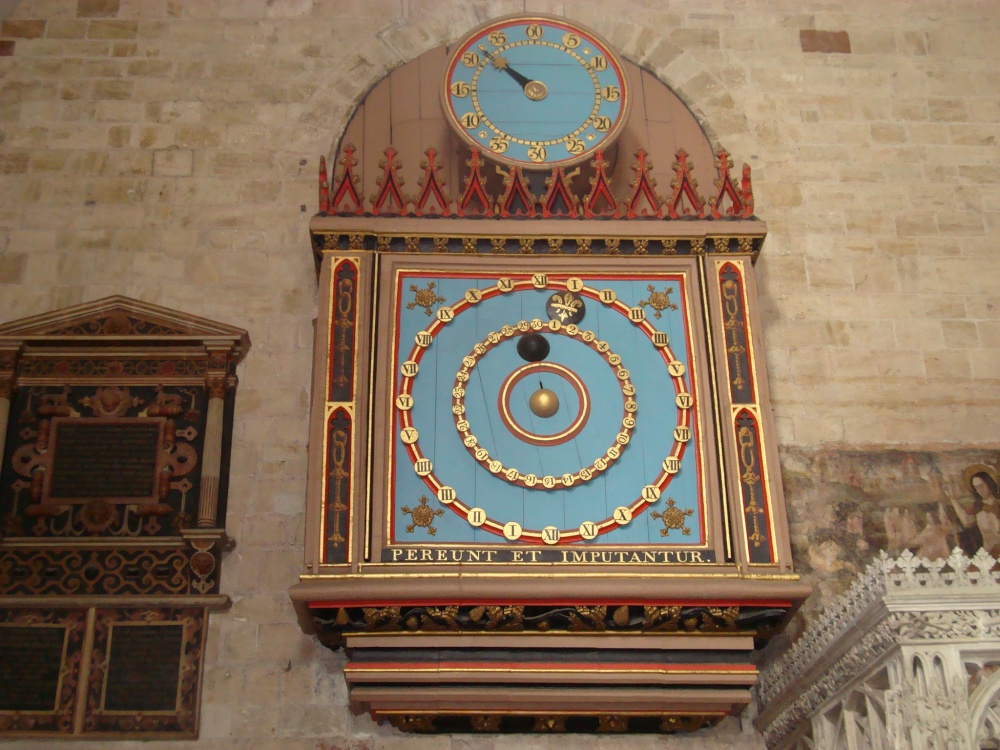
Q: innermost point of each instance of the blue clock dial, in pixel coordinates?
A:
(536, 92)
(593, 443)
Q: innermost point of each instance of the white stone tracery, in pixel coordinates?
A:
(908, 658)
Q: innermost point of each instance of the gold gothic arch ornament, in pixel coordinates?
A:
(543, 474)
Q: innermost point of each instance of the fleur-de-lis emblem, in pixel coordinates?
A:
(567, 308)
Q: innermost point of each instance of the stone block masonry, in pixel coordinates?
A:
(163, 149)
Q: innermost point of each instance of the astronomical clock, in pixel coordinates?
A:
(543, 485)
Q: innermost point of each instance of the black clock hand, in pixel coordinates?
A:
(500, 63)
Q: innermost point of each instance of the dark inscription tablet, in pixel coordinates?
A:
(101, 460)
(144, 668)
(30, 660)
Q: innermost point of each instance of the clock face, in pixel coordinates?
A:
(548, 410)
(535, 91)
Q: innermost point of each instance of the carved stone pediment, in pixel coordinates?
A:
(119, 317)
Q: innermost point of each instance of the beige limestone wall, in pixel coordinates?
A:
(167, 150)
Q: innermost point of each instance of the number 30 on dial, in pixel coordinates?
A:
(535, 91)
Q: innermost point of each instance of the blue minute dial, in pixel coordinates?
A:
(536, 92)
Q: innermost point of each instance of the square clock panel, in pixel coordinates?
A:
(557, 412)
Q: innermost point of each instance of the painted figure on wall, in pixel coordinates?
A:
(979, 514)
(848, 506)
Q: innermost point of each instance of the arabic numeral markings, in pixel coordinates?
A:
(621, 438)
(614, 360)
(458, 409)
(622, 374)
(471, 441)
(602, 346)
(571, 40)
(423, 467)
(468, 361)
(537, 325)
(611, 93)
(588, 530)
(533, 31)
(671, 464)
(458, 392)
(470, 120)
(522, 325)
(445, 314)
(602, 124)
(676, 368)
(600, 464)
(550, 535)
(555, 325)
(462, 425)
(493, 337)
(572, 329)
(539, 280)
(530, 480)
(629, 390)
(499, 144)
(537, 153)
(682, 433)
(599, 62)
(622, 515)
(650, 493)
(631, 406)
(567, 480)
(548, 482)
(507, 330)
(470, 60)
(479, 348)
(586, 474)
(497, 38)
(477, 516)
(482, 454)
(495, 466)
(588, 336)
(684, 400)
(614, 451)
(628, 423)
(446, 495)
(512, 530)
(460, 89)
(404, 402)
(575, 146)
(511, 475)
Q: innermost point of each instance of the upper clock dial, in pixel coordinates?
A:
(535, 91)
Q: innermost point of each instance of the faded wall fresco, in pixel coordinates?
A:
(846, 505)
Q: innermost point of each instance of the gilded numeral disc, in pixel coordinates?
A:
(404, 402)
(550, 535)
(446, 495)
(622, 515)
(512, 530)
(588, 530)
(476, 516)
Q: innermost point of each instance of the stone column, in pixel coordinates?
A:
(211, 467)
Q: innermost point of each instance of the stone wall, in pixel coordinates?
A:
(167, 150)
